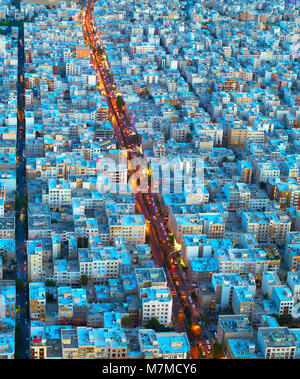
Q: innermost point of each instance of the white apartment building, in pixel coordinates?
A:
(59, 193)
(130, 227)
(156, 302)
(267, 226)
(276, 343)
(101, 264)
(35, 264)
(264, 171)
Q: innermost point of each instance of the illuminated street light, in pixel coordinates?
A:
(177, 246)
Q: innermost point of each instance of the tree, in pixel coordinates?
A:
(189, 138)
(201, 355)
(194, 296)
(19, 284)
(84, 280)
(18, 334)
(217, 351)
(165, 254)
(50, 283)
(82, 242)
(187, 312)
(25, 200)
(120, 102)
(17, 202)
(126, 322)
(285, 320)
(203, 318)
(50, 298)
(156, 325)
(172, 240)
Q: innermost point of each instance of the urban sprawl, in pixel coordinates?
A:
(149, 179)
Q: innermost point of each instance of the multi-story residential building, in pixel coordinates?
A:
(253, 260)
(7, 338)
(224, 285)
(283, 299)
(59, 193)
(242, 349)
(287, 194)
(233, 327)
(267, 226)
(37, 301)
(237, 195)
(108, 343)
(236, 134)
(7, 228)
(269, 281)
(265, 171)
(156, 303)
(102, 264)
(293, 281)
(66, 272)
(72, 305)
(167, 345)
(7, 299)
(131, 227)
(45, 341)
(276, 343)
(8, 249)
(202, 269)
(245, 171)
(34, 261)
(150, 277)
(242, 301)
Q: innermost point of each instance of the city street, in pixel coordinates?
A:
(147, 204)
(22, 351)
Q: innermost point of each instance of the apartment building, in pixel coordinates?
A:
(130, 227)
(276, 343)
(37, 301)
(156, 303)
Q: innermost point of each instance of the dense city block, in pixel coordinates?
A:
(149, 179)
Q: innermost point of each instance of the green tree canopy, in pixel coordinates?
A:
(50, 283)
(120, 102)
(217, 351)
(156, 325)
(189, 138)
(126, 322)
(84, 280)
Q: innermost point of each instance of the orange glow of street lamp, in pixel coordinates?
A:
(196, 329)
